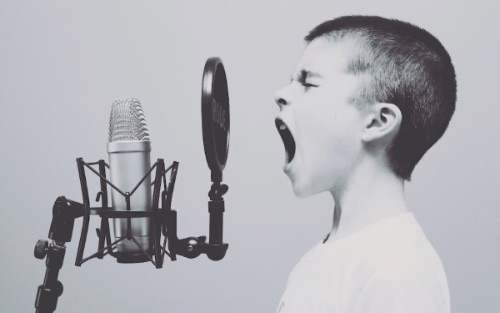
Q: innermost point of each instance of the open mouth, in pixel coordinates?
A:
(287, 138)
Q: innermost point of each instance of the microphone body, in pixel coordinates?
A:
(129, 151)
(129, 162)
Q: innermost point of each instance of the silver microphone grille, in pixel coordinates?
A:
(127, 121)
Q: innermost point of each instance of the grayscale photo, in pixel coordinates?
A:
(268, 156)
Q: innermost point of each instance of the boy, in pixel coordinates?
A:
(368, 98)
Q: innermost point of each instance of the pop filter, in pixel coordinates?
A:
(215, 116)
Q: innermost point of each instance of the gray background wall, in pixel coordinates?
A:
(63, 63)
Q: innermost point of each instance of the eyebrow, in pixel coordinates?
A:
(304, 74)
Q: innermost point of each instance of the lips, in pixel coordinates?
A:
(287, 138)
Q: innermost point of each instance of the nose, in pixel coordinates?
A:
(281, 98)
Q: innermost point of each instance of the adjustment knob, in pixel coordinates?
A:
(41, 249)
(58, 288)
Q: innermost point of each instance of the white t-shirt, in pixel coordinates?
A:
(387, 267)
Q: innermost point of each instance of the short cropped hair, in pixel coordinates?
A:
(402, 64)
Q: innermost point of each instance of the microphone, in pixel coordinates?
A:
(129, 150)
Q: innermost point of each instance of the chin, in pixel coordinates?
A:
(302, 190)
(301, 194)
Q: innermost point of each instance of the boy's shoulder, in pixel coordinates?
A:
(388, 264)
(398, 239)
(377, 247)
(401, 269)
(400, 260)
(393, 244)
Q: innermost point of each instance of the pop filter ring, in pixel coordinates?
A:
(215, 116)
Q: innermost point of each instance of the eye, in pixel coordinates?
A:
(303, 77)
(303, 80)
(307, 85)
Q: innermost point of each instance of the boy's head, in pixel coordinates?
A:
(393, 63)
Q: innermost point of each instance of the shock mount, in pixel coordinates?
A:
(162, 219)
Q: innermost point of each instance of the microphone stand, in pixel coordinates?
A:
(64, 214)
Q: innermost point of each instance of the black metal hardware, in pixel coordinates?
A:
(163, 221)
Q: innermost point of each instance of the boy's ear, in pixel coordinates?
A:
(382, 122)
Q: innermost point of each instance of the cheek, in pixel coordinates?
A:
(319, 127)
(330, 141)
(314, 118)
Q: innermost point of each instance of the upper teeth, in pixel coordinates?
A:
(282, 127)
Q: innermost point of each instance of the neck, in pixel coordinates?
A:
(372, 194)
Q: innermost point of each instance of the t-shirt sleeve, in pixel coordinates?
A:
(404, 287)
